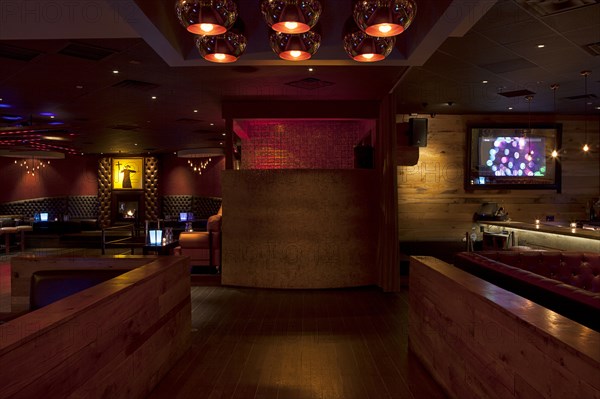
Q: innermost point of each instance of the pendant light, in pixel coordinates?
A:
(362, 47)
(585, 75)
(225, 48)
(291, 16)
(206, 17)
(384, 18)
(298, 47)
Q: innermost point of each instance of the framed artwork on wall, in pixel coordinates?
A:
(127, 173)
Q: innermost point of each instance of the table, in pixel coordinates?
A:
(160, 249)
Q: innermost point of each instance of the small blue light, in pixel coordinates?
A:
(5, 105)
(56, 123)
(12, 117)
(46, 114)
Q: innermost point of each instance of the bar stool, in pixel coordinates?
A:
(7, 231)
(22, 229)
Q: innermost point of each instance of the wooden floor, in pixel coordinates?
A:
(254, 343)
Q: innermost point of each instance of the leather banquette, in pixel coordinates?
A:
(565, 282)
(203, 247)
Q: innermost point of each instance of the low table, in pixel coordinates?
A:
(160, 249)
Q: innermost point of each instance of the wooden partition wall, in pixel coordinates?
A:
(291, 228)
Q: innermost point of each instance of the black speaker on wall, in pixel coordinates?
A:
(417, 132)
(363, 157)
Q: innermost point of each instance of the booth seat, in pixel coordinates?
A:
(203, 247)
(565, 282)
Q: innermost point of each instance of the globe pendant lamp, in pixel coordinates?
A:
(225, 48)
(206, 17)
(298, 47)
(291, 16)
(384, 18)
(365, 48)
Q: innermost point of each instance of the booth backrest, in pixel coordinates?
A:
(48, 286)
(579, 269)
(577, 303)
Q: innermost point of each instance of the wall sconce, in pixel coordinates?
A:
(384, 18)
(289, 16)
(198, 167)
(298, 47)
(206, 17)
(32, 166)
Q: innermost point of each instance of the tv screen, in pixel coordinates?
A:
(43, 216)
(513, 157)
(183, 216)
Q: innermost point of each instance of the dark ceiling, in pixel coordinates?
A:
(58, 90)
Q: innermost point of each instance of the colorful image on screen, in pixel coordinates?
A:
(512, 156)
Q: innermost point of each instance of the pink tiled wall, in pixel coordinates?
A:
(301, 144)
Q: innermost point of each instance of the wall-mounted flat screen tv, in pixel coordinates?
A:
(513, 157)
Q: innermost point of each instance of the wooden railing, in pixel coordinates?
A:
(134, 240)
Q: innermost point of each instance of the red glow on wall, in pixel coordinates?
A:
(301, 144)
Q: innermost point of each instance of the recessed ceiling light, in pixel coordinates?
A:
(154, 97)
(510, 108)
(195, 110)
(212, 124)
(135, 144)
(224, 134)
(310, 69)
(484, 81)
(221, 143)
(541, 45)
(115, 71)
(79, 87)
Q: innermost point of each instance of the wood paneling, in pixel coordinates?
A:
(432, 202)
(299, 228)
(480, 341)
(116, 339)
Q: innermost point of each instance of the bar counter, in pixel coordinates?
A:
(551, 235)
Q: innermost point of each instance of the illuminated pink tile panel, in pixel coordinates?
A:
(301, 144)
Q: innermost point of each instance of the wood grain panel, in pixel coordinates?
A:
(480, 341)
(437, 178)
(116, 339)
(299, 228)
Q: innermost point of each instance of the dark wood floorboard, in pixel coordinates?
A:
(298, 344)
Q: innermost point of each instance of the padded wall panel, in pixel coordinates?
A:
(82, 207)
(151, 203)
(204, 207)
(104, 192)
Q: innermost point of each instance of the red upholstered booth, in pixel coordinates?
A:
(563, 281)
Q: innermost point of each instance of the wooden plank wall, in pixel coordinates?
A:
(114, 340)
(480, 341)
(22, 267)
(432, 202)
